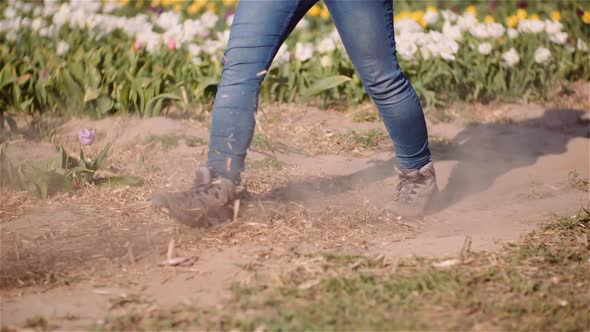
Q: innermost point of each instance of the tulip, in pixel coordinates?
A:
(171, 44)
(87, 136)
(137, 45)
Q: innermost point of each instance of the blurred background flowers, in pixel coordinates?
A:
(146, 57)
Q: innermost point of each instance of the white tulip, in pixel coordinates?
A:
(452, 31)
(282, 56)
(406, 47)
(406, 25)
(194, 49)
(512, 33)
(9, 12)
(430, 17)
(495, 30)
(581, 45)
(36, 24)
(168, 20)
(542, 55)
(484, 48)
(511, 57)
(559, 38)
(449, 16)
(326, 61)
(531, 26)
(229, 19)
(209, 19)
(553, 27)
(62, 47)
(303, 51)
(302, 25)
(326, 45)
(479, 31)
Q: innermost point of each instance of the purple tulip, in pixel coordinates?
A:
(87, 136)
(523, 5)
(157, 9)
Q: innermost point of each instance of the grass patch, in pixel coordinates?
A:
(364, 140)
(169, 141)
(365, 116)
(266, 163)
(539, 284)
(577, 182)
(262, 142)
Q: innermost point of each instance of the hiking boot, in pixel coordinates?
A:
(414, 191)
(205, 199)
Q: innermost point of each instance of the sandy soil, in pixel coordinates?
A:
(309, 189)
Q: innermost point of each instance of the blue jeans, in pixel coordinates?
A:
(258, 30)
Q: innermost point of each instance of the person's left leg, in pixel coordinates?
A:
(258, 30)
(367, 32)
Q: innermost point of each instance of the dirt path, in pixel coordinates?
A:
(313, 188)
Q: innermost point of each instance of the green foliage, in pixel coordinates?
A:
(63, 173)
(98, 77)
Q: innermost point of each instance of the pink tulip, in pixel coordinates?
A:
(137, 45)
(171, 44)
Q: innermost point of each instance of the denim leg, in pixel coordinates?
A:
(366, 30)
(258, 30)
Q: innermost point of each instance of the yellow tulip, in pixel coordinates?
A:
(489, 19)
(324, 13)
(192, 9)
(315, 10)
(471, 9)
(586, 17)
(228, 2)
(432, 9)
(123, 2)
(155, 3)
(512, 21)
(521, 14)
(555, 15)
(139, 4)
(404, 14)
(166, 3)
(418, 16)
(534, 17)
(177, 7)
(211, 7)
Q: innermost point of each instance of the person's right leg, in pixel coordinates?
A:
(258, 30)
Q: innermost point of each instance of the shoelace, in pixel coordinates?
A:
(405, 188)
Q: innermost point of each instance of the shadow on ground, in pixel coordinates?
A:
(484, 152)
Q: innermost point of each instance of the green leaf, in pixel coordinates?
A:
(125, 180)
(63, 157)
(98, 161)
(104, 104)
(153, 106)
(7, 75)
(325, 84)
(83, 159)
(91, 94)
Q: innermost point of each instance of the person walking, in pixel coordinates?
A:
(258, 30)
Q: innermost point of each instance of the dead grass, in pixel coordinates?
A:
(532, 285)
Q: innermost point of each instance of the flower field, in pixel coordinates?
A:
(126, 56)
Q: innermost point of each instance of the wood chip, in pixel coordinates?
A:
(446, 263)
(179, 261)
(236, 209)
